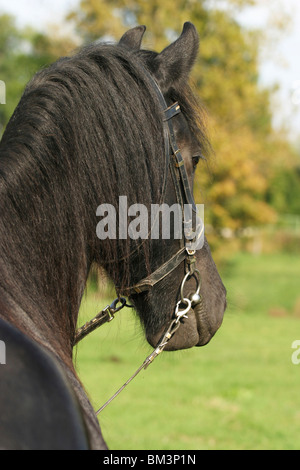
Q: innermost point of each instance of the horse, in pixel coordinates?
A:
(88, 129)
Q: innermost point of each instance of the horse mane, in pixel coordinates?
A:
(87, 129)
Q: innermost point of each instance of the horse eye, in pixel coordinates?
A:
(195, 160)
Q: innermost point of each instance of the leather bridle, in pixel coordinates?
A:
(174, 164)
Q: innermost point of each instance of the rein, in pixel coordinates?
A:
(107, 315)
(174, 162)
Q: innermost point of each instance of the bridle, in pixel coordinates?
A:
(175, 164)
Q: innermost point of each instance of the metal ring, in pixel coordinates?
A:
(198, 277)
(115, 303)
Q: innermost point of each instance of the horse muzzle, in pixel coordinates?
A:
(196, 328)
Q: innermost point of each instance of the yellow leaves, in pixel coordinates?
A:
(223, 189)
(98, 18)
(56, 44)
(220, 217)
(249, 211)
(226, 79)
(237, 189)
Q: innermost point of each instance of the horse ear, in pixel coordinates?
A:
(133, 38)
(175, 62)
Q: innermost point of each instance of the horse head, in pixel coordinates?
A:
(155, 305)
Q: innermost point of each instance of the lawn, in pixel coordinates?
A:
(241, 391)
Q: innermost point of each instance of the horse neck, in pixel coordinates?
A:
(44, 259)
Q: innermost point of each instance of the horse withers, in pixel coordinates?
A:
(88, 129)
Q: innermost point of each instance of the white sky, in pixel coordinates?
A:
(281, 65)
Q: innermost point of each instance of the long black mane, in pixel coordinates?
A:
(87, 129)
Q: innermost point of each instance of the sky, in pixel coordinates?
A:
(280, 65)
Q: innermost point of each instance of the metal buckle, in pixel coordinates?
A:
(112, 308)
(109, 312)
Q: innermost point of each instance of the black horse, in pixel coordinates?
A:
(87, 130)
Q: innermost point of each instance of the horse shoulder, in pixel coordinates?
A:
(39, 408)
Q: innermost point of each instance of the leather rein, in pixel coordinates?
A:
(174, 164)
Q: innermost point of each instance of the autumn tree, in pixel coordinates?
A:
(234, 184)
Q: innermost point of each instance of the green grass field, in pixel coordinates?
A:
(241, 391)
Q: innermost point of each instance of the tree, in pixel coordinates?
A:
(22, 54)
(226, 79)
(10, 72)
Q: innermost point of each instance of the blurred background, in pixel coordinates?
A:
(242, 390)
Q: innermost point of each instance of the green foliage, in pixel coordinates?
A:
(284, 193)
(22, 54)
(10, 71)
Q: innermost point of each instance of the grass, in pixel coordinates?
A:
(241, 391)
